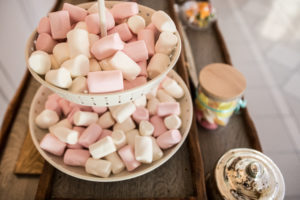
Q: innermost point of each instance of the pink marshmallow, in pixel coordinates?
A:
(140, 114)
(125, 10)
(168, 108)
(44, 26)
(104, 133)
(71, 114)
(99, 110)
(208, 126)
(76, 157)
(140, 80)
(52, 104)
(65, 106)
(45, 43)
(105, 81)
(148, 36)
(81, 107)
(127, 155)
(77, 145)
(90, 135)
(53, 145)
(93, 24)
(152, 27)
(133, 39)
(137, 51)
(143, 65)
(60, 24)
(107, 46)
(76, 13)
(168, 139)
(159, 125)
(123, 30)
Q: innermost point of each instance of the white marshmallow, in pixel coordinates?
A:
(79, 85)
(105, 65)
(106, 120)
(143, 149)
(78, 42)
(172, 122)
(153, 92)
(40, 62)
(66, 135)
(172, 88)
(209, 116)
(94, 65)
(78, 66)
(54, 63)
(163, 22)
(93, 8)
(146, 128)
(152, 106)
(125, 126)
(166, 43)
(61, 52)
(119, 138)
(141, 101)
(82, 118)
(59, 77)
(81, 25)
(158, 64)
(93, 38)
(46, 118)
(129, 68)
(63, 123)
(130, 135)
(136, 23)
(164, 97)
(124, 111)
(100, 168)
(116, 163)
(102, 148)
(157, 152)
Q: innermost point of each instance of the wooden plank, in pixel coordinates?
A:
(45, 183)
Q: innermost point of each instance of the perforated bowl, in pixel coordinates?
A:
(107, 99)
(79, 172)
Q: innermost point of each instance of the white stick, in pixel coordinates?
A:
(102, 18)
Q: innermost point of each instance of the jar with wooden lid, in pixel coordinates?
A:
(219, 94)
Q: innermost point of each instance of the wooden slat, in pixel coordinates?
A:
(45, 184)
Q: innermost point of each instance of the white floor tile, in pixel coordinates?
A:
(285, 56)
(292, 86)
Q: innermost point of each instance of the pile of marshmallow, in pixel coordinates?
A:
(107, 140)
(72, 55)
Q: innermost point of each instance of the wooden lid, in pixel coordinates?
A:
(222, 82)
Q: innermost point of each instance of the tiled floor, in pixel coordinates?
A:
(263, 38)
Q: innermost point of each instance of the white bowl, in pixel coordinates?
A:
(79, 172)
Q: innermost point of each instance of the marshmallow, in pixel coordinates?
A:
(172, 88)
(65, 106)
(59, 77)
(153, 91)
(93, 8)
(119, 138)
(100, 168)
(141, 101)
(157, 152)
(71, 114)
(123, 31)
(104, 133)
(105, 81)
(158, 64)
(63, 123)
(168, 108)
(46, 118)
(143, 149)
(52, 104)
(148, 36)
(136, 23)
(141, 80)
(81, 25)
(90, 135)
(79, 85)
(123, 112)
(143, 66)
(125, 126)
(172, 122)
(168, 139)
(93, 38)
(164, 97)
(163, 21)
(166, 43)
(99, 110)
(152, 106)
(133, 39)
(66, 135)
(78, 66)
(104, 65)
(81, 107)
(208, 126)
(106, 120)
(129, 68)
(146, 128)
(137, 51)
(116, 163)
(60, 24)
(45, 43)
(44, 26)
(54, 63)
(127, 155)
(76, 13)
(130, 135)
(124, 10)
(76, 157)
(53, 145)
(85, 118)
(159, 125)
(140, 114)
(78, 42)
(93, 24)
(152, 27)
(107, 46)
(40, 62)
(61, 52)
(77, 145)
(102, 148)
(94, 65)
